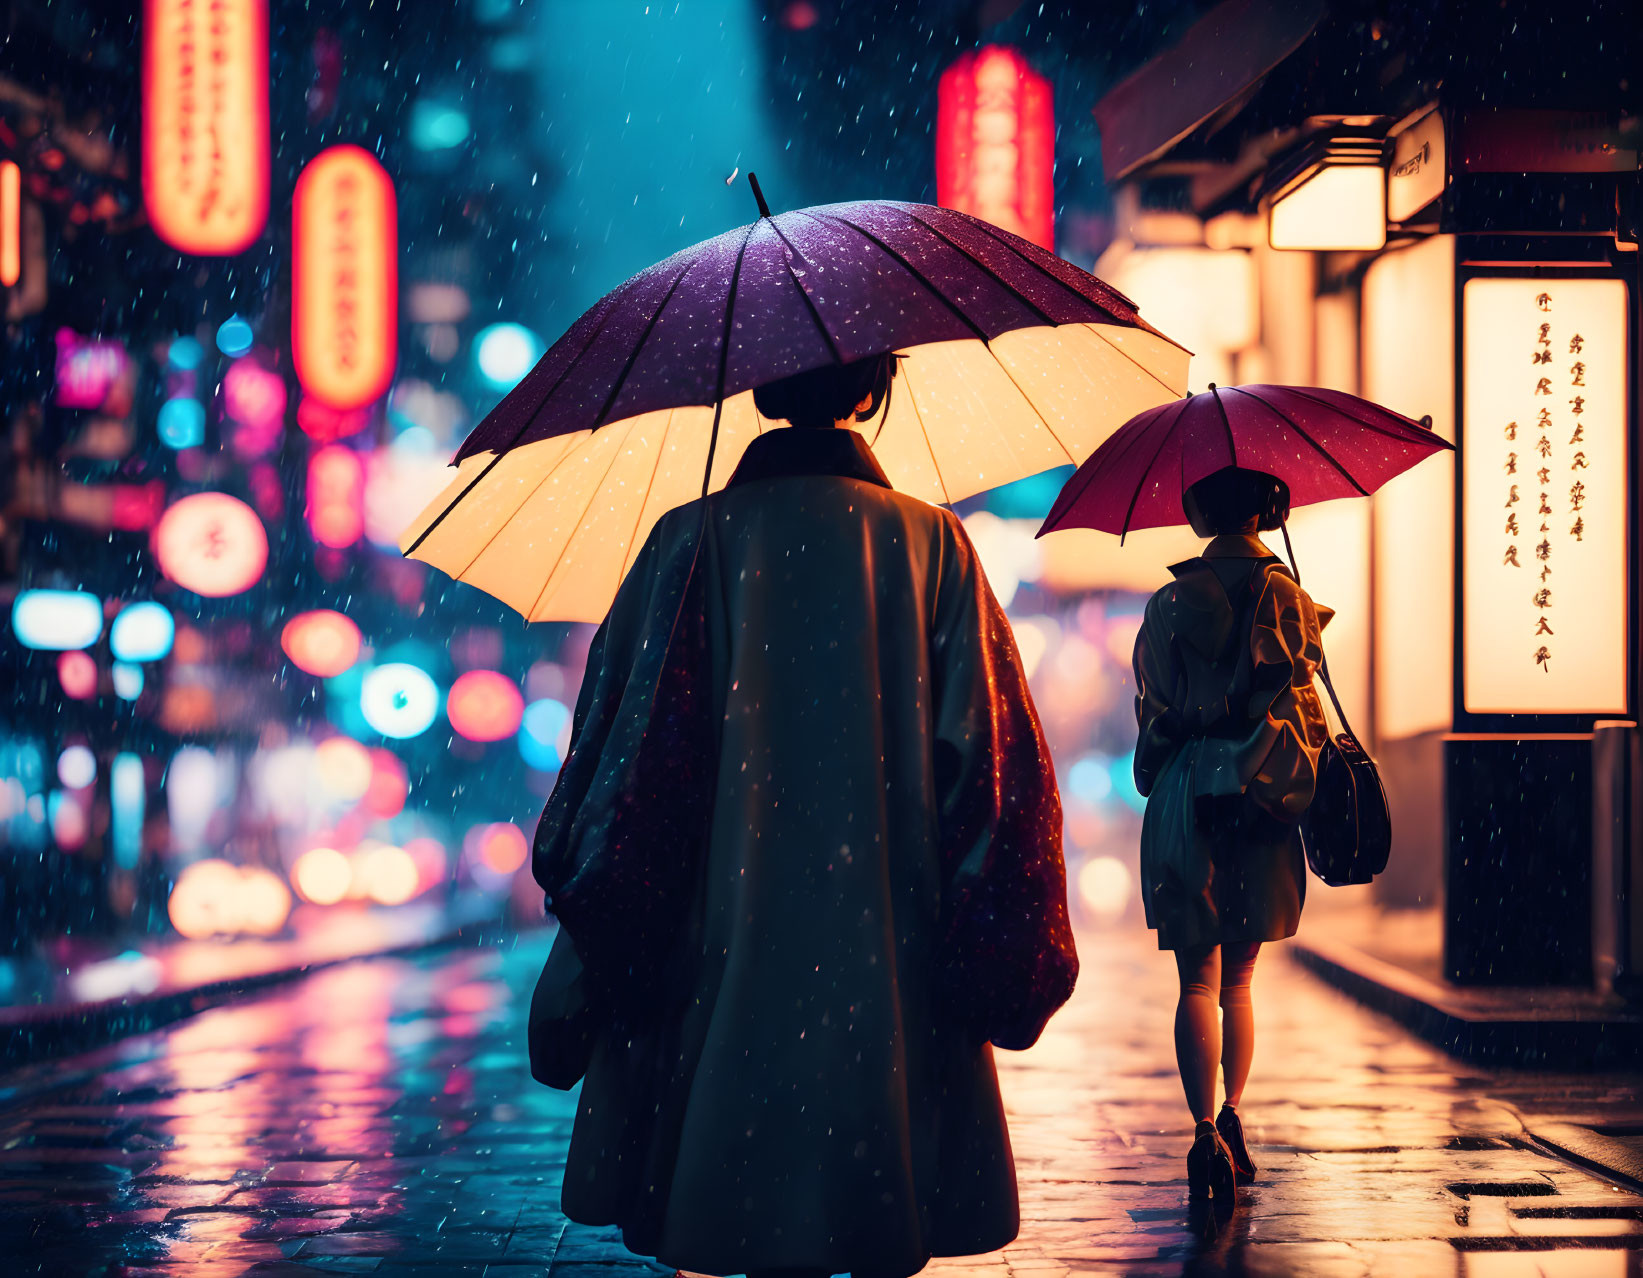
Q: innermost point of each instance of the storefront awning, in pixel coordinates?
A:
(1221, 56)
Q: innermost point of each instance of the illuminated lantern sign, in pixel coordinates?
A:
(336, 496)
(205, 122)
(995, 143)
(1544, 492)
(11, 223)
(344, 278)
(212, 544)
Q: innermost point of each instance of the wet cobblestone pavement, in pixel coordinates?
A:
(378, 1118)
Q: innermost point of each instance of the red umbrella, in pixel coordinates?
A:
(1322, 443)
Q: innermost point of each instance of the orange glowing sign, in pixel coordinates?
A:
(212, 544)
(11, 223)
(345, 278)
(995, 143)
(205, 122)
(1545, 496)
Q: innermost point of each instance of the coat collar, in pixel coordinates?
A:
(1237, 546)
(804, 450)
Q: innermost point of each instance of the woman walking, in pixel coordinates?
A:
(1230, 732)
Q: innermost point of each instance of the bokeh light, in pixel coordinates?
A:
(399, 700)
(142, 632)
(1090, 778)
(77, 767)
(389, 787)
(388, 874)
(56, 619)
(77, 673)
(505, 353)
(322, 642)
(181, 423)
(343, 768)
(234, 336)
(541, 729)
(322, 875)
(1104, 886)
(484, 705)
(127, 680)
(212, 544)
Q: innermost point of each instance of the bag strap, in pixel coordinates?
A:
(1323, 657)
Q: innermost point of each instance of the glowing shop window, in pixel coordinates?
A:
(1544, 496)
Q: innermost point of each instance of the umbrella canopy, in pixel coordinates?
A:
(1322, 443)
(1015, 362)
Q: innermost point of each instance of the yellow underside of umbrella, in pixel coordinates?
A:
(552, 528)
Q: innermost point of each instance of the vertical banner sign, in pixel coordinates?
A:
(1544, 492)
(345, 279)
(11, 223)
(995, 143)
(205, 122)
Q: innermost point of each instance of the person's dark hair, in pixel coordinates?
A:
(1232, 499)
(822, 396)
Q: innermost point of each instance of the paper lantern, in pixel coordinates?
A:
(205, 122)
(322, 642)
(995, 143)
(344, 279)
(11, 223)
(212, 544)
(484, 706)
(1336, 201)
(336, 496)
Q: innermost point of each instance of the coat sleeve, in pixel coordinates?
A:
(626, 823)
(1286, 647)
(1157, 716)
(1006, 957)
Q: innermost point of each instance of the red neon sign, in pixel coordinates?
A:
(995, 143)
(345, 279)
(205, 122)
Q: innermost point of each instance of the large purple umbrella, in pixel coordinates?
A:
(1015, 362)
(1322, 443)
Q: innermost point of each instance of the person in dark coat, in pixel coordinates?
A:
(805, 854)
(1230, 732)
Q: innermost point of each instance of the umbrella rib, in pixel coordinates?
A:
(577, 527)
(644, 501)
(987, 229)
(1068, 495)
(517, 436)
(910, 269)
(724, 356)
(959, 248)
(809, 302)
(1316, 446)
(1136, 495)
(1103, 337)
(1407, 434)
(551, 472)
(639, 346)
(1226, 422)
(1063, 447)
(935, 465)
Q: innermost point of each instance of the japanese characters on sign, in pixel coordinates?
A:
(1544, 492)
(995, 143)
(345, 281)
(205, 122)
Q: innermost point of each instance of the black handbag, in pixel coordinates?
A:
(1347, 830)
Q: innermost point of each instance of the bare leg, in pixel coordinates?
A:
(1197, 1027)
(1238, 1016)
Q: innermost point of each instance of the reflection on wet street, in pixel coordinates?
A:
(378, 1118)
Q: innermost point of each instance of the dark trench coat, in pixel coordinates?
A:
(807, 843)
(1230, 731)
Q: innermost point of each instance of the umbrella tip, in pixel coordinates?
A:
(1212, 385)
(753, 181)
(1426, 421)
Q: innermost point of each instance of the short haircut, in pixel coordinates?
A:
(822, 396)
(1225, 501)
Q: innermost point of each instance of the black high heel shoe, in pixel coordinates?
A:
(1209, 1167)
(1231, 1129)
